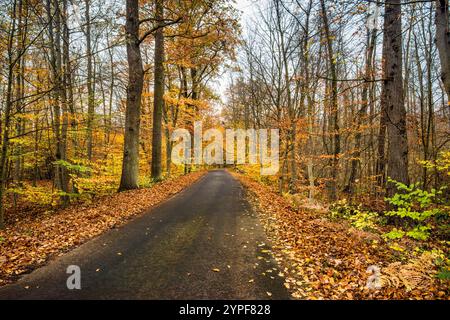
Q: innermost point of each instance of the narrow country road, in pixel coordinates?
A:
(205, 243)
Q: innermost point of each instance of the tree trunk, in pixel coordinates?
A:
(68, 79)
(91, 107)
(7, 117)
(158, 101)
(19, 95)
(332, 185)
(443, 43)
(130, 164)
(397, 164)
(362, 112)
(54, 30)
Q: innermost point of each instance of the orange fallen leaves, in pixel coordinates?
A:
(322, 259)
(34, 239)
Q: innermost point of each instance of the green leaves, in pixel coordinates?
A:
(413, 205)
(395, 234)
(444, 274)
(360, 219)
(73, 167)
(412, 195)
(419, 233)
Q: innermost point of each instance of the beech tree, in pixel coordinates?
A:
(393, 99)
(158, 92)
(130, 164)
(442, 21)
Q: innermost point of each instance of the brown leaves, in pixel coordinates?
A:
(322, 259)
(32, 240)
(414, 274)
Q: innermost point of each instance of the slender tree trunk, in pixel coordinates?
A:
(381, 143)
(130, 164)
(19, 94)
(333, 106)
(54, 31)
(111, 93)
(362, 112)
(7, 116)
(184, 93)
(158, 104)
(91, 106)
(68, 79)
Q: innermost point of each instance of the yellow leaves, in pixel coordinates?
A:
(26, 116)
(396, 247)
(100, 185)
(216, 269)
(38, 195)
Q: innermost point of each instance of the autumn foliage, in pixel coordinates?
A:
(323, 259)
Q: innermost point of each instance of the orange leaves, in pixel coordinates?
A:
(322, 259)
(33, 239)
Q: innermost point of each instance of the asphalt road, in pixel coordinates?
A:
(204, 243)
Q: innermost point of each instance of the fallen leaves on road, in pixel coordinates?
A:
(34, 239)
(322, 259)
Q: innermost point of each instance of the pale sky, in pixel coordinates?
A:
(247, 8)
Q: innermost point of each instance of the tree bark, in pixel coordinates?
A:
(362, 112)
(130, 164)
(91, 106)
(332, 185)
(7, 116)
(397, 163)
(443, 42)
(158, 101)
(54, 30)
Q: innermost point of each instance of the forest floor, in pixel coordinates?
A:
(322, 258)
(217, 239)
(31, 238)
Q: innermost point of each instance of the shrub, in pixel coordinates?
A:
(365, 220)
(415, 208)
(38, 195)
(360, 219)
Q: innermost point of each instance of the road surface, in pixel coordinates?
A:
(204, 243)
